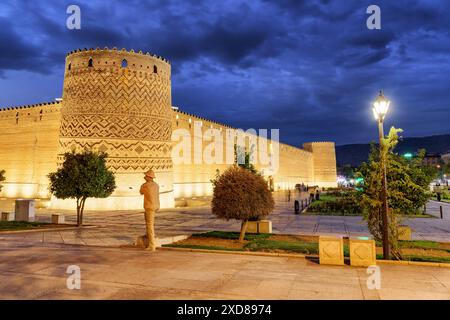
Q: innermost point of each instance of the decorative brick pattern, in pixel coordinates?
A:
(118, 110)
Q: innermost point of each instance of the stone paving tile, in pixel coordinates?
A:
(133, 274)
(117, 228)
(433, 209)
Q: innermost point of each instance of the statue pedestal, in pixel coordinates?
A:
(142, 242)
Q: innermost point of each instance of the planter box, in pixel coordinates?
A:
(331, 250)
(404, 233)
(265, 226)
(25, 210)
(252, 227)
(8, 216)
(262, 226)
(58, 218)
(362, 253)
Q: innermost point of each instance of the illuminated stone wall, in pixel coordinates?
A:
(28, 148)
(324, 163)
(295, 165)
(120, 102)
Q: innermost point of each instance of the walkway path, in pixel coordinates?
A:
(433, 209)
(120, 228)
(30, 272)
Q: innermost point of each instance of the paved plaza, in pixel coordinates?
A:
(120, 228)
(39, 272)
(33, 264)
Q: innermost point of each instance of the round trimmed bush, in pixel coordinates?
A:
(241, 195)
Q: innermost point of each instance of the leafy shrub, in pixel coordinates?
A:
(242, 195)
(345, 203)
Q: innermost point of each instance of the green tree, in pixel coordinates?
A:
(348, 171)
(82, 175)
(241, 195)
(243, 158)
(408, 182)
(446, 169)
(2, 178)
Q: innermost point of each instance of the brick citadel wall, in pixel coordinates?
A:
(28, 149)
(295, 165)
(119, 102)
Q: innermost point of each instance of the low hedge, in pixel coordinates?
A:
(343, 203)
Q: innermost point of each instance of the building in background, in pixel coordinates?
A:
(432, 159)
(446, 157)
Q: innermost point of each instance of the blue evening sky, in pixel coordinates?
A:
(309, 68)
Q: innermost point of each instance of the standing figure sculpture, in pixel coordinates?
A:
(150, 190)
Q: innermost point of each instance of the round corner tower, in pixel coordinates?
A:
(324, 162)
(119, 102)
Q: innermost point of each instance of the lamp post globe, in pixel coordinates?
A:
(380, 107)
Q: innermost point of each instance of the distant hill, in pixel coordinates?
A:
(355, 154)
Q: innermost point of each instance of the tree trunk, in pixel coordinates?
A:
(243, 229)
(83, 201)
(78, 212)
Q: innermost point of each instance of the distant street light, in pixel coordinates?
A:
(408, 155)
(380, 109)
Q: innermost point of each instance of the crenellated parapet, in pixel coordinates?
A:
(138, 64)
(31, 112)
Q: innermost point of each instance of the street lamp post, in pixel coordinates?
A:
(380, 109)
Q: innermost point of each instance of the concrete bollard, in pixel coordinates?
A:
(8, 216)
(331, 250)
(262, 226)
(265, 226)
(58, 218)
(252, 227)
(362, 252)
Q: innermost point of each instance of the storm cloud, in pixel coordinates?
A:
(309, 68)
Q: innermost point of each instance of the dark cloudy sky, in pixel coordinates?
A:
(309, 68)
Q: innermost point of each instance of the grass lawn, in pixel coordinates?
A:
(429, 251)
(442, 200)
(421, 215)
(21, 225)
(309, 213)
